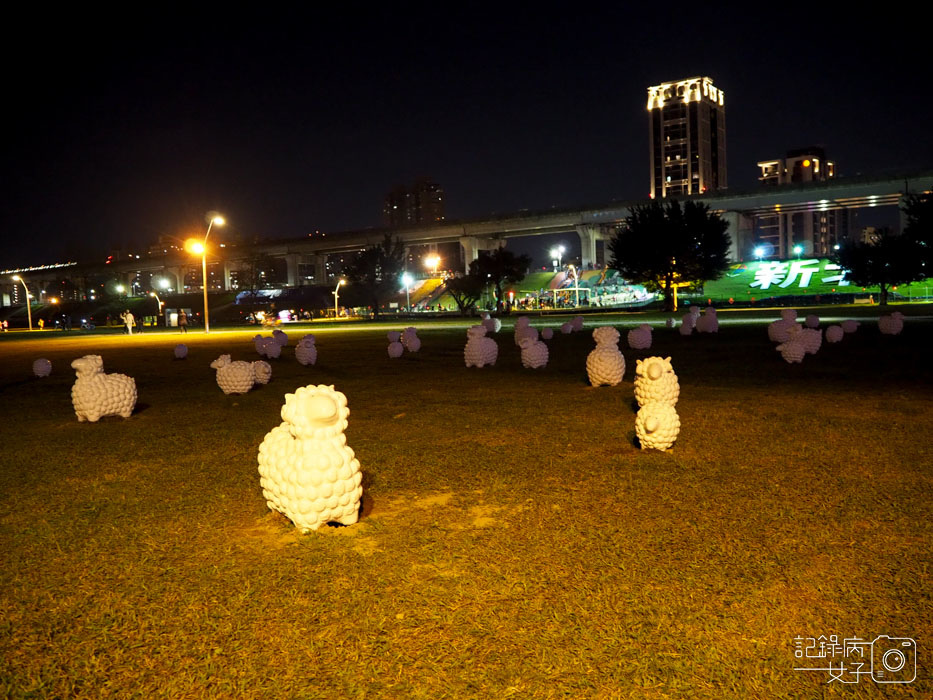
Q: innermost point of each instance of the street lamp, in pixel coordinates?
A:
(201, 248)
(161, 303)
(336, 297)
(557, 253)
(28, 303)
(407, 279)
(798, 249)
(760, 252)
(432, 261)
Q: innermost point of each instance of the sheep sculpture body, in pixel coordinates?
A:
(237, 377)
(396, 349)
(657, 390)
(534, 352)
(480, 350)
(708, 322)
(307, 471)
(95, 394)
(892, 324)
(640, 338)
(410, 340)
(42, 367)
(306, 350)
(605, 365)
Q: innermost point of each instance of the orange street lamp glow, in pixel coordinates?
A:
(200, 248)
(28, 302)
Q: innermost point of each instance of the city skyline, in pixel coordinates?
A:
(291, 127)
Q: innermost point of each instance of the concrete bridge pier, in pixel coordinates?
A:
(589, 235)
(472, 245)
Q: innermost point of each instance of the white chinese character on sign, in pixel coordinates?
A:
(799, 267)
(835, 279)
(769, 273)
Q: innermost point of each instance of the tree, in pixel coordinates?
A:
(466, 290)
(374, 272)
(499, 267)
(885, 260)
(918, 210)
(663, 244)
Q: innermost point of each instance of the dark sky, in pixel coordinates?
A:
(120, 128)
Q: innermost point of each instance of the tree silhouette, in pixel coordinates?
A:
(886, 260)
(661, 244)
(918, 210)
(499, 267)
(465, 290)
(374, 272)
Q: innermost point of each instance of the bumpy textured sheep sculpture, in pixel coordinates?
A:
(780, 331)
(42, 367)
(605, 364)
(306, 350)
(493, 325)
(268, 347)
(812, 339)
(657, 426)
(307, 471)
(793, 349)
(280, 336)
(480, 350)
(892, 324)
(850, 326)
(235, 377)
(566, 328)
(655, 381)
(181, 351)
(410, 339)
(547, 333)
(95, 394)
(812, 321)
(708, 322)
(534, 353)
(657, 390)
(640, 338)
(262, 372)
(834, 334)
(670, 323)
(524, 330)
(689, 321)
(577, 323)
(396, 349)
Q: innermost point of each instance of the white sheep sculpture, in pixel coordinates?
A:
(262, 372)
(793, 349)
(410, 340)
(657, 426)
(655, 381)
(547, 333)
(480, 350)
(181, 351)
(42, 367)
(534, 353)
(892, 324)
(605, 365)
(235, 377)
(524, 330)
(812, 321)
(306, 350)
(640, 338)
(708, 322)
(280, 336)
(307, 471)
(850, 326)
(577, 324)
(566, 328)
(688, 323)
(812, 339)
(95, 394)
(834, 334)
(396, 349)
(493, 325)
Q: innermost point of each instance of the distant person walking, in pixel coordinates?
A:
(182, 321)
(129, 320)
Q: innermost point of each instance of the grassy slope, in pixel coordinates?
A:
(513, 541)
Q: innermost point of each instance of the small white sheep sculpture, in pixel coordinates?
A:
(708, 322)
(834, 334)
(42, 367)
(181, 351)
(280, 336)
(306, 350)
(640, 338)
(95, 394)
(657, 426)
(547, 333)
(534, 352)
(235, 377)
(605, 365)
(493, 325)
(410, 339)
(480, 350)
(892, 324)
(396, 349)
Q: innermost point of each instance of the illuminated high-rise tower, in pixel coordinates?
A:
(687, 126)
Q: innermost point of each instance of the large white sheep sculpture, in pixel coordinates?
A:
(657, 390)
(95, 394)
(307, 471)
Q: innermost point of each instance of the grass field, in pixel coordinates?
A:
(514, 542)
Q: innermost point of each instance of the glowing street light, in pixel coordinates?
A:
(201, 248)
(120, 289)
(336, 297)
(432, 261)
(407, 279)
(28, 302)
(160, 302)
(760, 252)
(557, 253)
(798, 249)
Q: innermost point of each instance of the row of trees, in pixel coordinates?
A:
(662, 245)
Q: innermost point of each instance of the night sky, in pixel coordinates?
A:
(122, 128)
